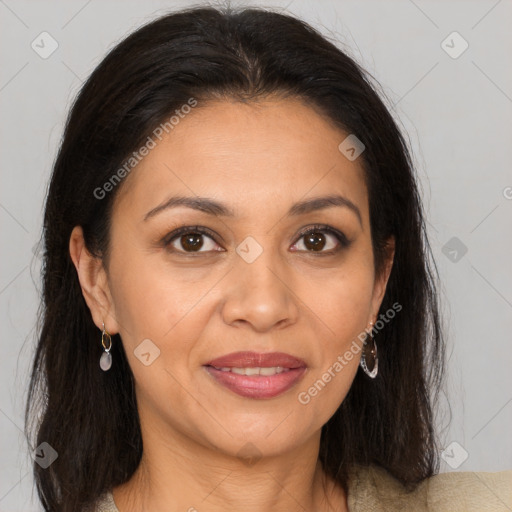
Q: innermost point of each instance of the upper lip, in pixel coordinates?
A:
(257, 360)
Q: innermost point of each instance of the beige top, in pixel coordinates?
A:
(374, 490)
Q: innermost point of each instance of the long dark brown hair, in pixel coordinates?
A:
(90, 417)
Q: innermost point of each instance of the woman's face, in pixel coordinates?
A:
(248, 281)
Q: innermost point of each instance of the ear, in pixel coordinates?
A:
(381, 281)
(93, 281)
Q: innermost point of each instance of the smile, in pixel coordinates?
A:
(255, 370)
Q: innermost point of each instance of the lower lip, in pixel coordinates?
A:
(257, 386)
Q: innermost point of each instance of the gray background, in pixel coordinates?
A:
(457, 112)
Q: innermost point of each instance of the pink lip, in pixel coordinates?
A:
(255, 359)
(257, 386)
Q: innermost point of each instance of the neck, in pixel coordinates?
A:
(181, 475)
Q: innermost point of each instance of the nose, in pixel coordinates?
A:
(260, 294)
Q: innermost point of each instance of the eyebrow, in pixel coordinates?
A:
(217, 209)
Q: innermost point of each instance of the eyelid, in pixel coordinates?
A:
(339, 235)
(342, 238)
(188, 229)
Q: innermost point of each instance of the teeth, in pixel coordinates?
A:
(247, 371)
(273, 370)
(255, 371)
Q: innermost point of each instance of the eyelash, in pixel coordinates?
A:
(342, 239)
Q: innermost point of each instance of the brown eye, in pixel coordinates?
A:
(191, 240)
(318, 238)
(314, 241)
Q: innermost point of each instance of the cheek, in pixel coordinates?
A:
(151, 297)
(155, 303)
(342, 301)
(342, 307)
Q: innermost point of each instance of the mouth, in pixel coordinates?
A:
(257, 375)
(251, 371)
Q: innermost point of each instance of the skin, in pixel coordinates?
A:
(259, 159)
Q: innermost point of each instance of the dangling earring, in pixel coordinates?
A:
(369, 361)
(106, 357)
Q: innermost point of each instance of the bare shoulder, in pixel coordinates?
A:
(374, 490)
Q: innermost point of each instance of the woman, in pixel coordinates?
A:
(239, 307)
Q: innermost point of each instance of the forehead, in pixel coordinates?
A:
(249, 156)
